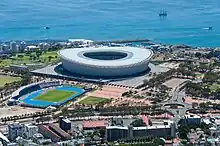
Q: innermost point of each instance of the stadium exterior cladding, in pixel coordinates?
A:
(106, 61)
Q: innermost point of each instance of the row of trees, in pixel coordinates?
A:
(184, 129)
(28, 115)
(113, 111)
(201, 90)
(141, 141)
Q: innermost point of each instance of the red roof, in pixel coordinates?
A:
(145, 119)
(95, 124)
(46, 129)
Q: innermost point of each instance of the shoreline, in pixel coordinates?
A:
(142, 41)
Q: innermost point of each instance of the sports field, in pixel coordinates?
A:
(7, 79)
(55, 95)
(92, 100)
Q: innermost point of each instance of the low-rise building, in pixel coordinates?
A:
(192, 119)
(65, 124)
(30, 130)
(15, 130)
(96, 124)
(14, 67)
(44, 130)
(61, 133)
(167, 130)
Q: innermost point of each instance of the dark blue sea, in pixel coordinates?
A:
(187, 21)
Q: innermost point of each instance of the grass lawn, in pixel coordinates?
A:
(25, 59)
(54, 95)
(92, 100)
(7, 79)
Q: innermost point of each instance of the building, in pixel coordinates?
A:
(38, 136)
(3, 139)
(30, 130)
(96, 124)
(106, 61)
(58, 131)
(18, 67)
(5, 47)
(65, 124)
(168, 130)
(13, 47)
(22, 46)
(43, 46)
(15, 130)
(192, 119)
(13, 144)
(32, 48)
(24, 142)
(47, 133)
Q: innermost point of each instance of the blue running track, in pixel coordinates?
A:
(28, 100)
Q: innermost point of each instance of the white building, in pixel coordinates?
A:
(30, 130)
(15, 130)
(31, 48)
(43, 46)
(13, 47)
(5, 47)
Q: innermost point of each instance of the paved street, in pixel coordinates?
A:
(177, 99)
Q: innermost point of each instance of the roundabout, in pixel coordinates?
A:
(106, 61)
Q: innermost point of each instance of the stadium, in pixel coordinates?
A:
(44, 94)
(106, 61)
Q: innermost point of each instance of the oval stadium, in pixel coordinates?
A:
(106, 61)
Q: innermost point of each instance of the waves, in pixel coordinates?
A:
(187, 22)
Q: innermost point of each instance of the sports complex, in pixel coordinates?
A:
(106, 61)
(99, 64)
(44, 94)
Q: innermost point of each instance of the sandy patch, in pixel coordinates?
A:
(5, 112)
(174, 82)
(191, 100)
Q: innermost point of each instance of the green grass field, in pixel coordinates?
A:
(25, 59)
(55, 96)
(7, 79)
(92, 100)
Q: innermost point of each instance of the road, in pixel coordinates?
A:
(177, 99)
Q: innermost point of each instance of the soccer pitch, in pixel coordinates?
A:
(92, 100)
(55, 95)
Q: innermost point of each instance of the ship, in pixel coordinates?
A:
(163, 13)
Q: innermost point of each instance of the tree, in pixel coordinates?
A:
(138, 123)
(198, 55)
(50, 57)
(102, 133)
(158, 141)
(210, 77)
(20, 56)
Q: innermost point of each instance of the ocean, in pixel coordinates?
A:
(187, 21)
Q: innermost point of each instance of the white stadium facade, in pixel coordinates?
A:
(106, 61)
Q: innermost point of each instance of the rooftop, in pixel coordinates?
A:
(66, 120)
(134, 55)
(192, 116)
(94, 124)
(61, 132)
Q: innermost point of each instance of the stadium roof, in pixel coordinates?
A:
(134, 55)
